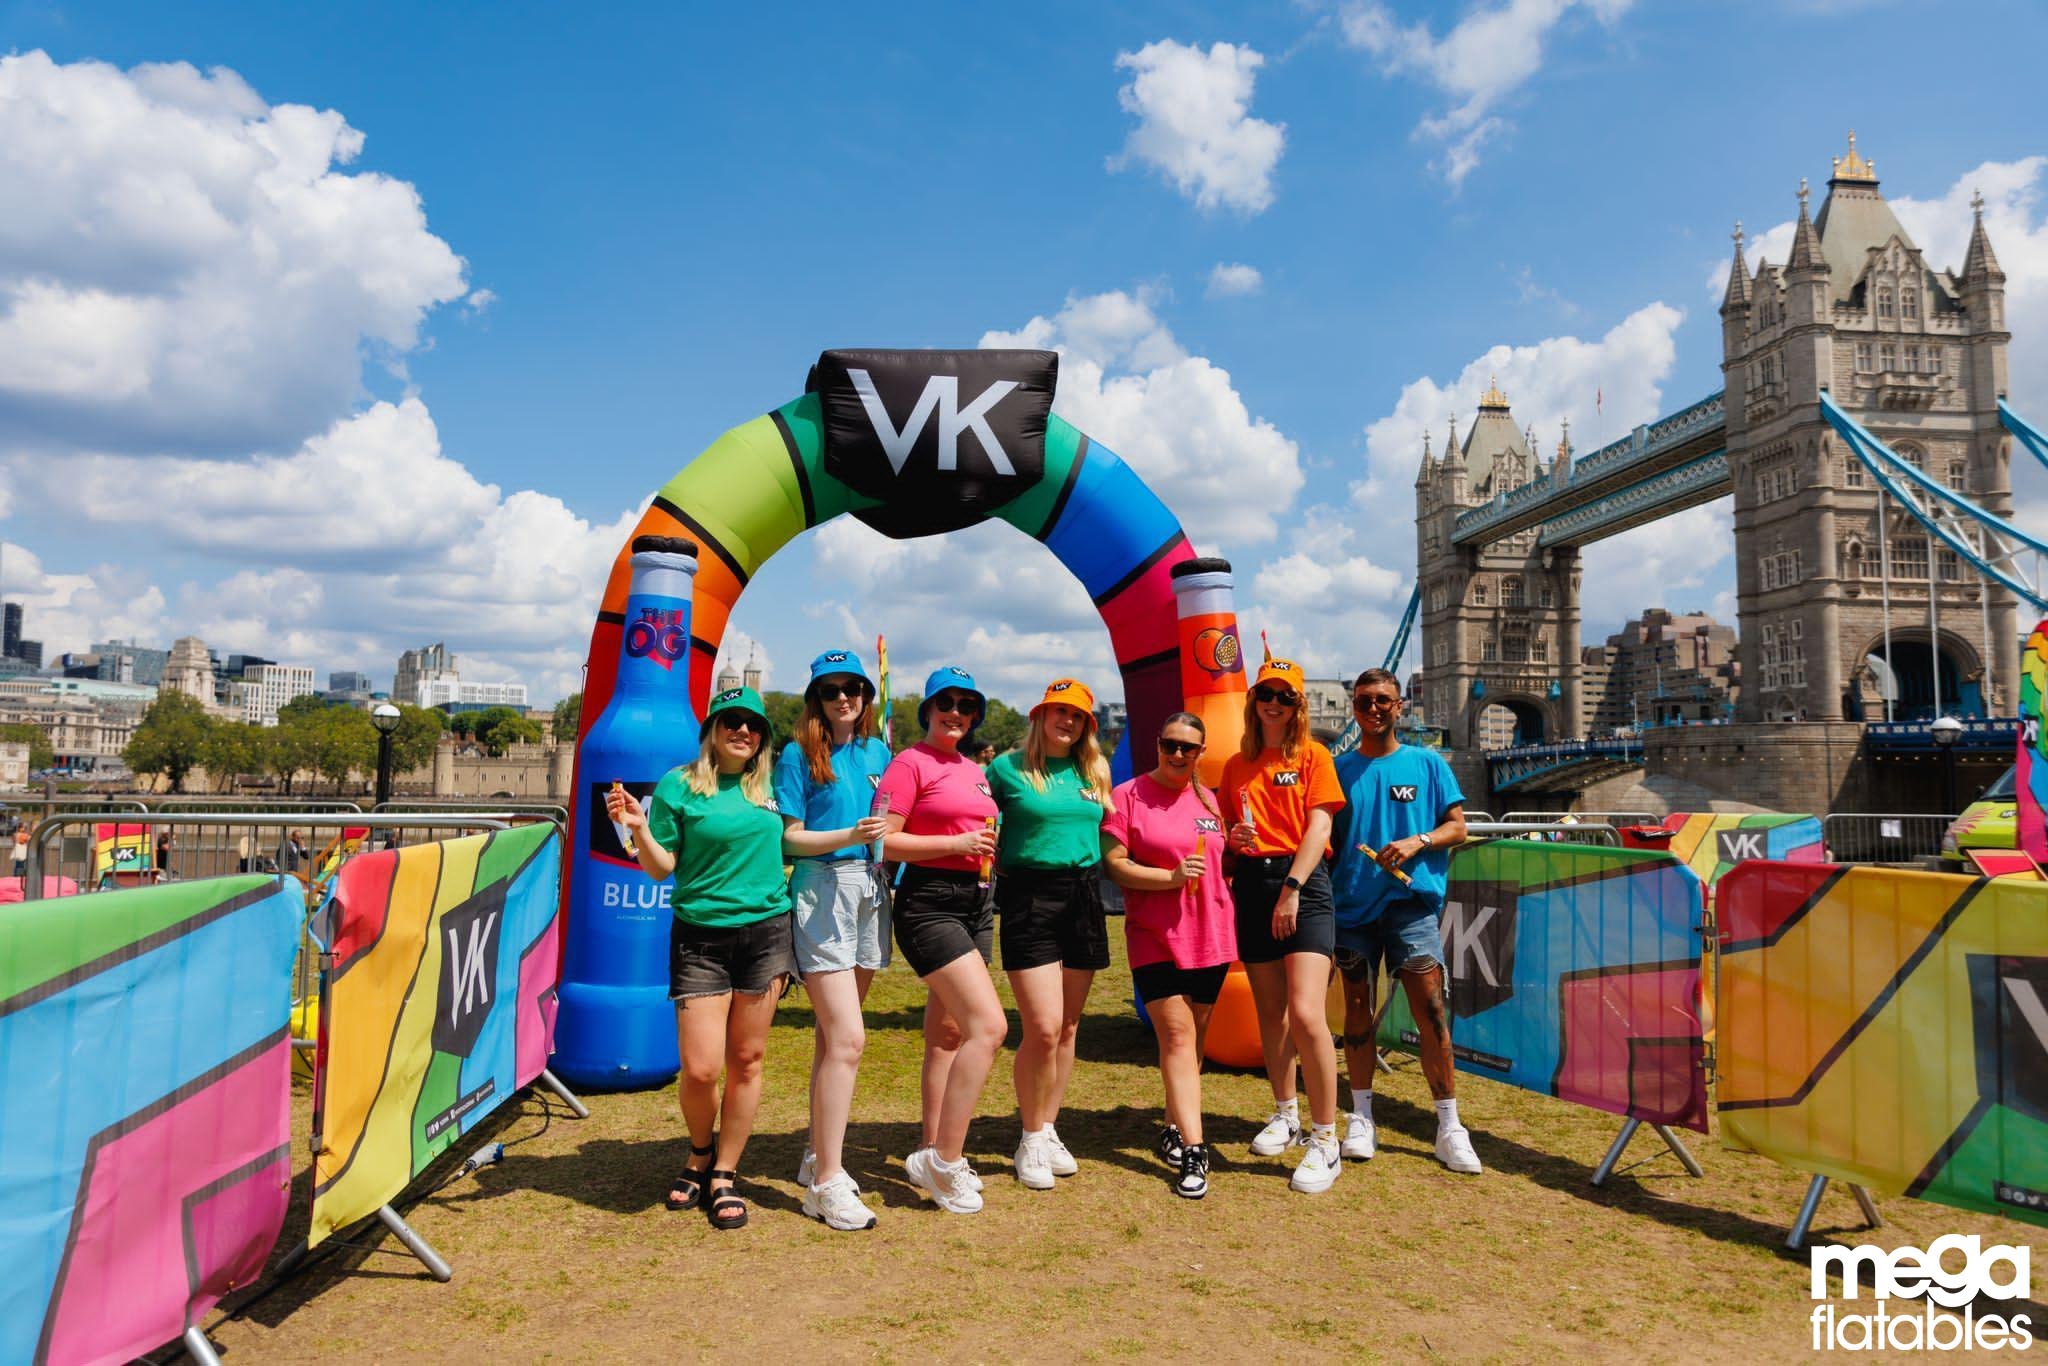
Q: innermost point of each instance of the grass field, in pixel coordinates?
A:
(564, 1249)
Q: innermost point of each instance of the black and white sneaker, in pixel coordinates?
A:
(1169, 1145)
(1193, 1182)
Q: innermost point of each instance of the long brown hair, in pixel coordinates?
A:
(1194, 722)
(1086, 754)
(1254, 735)
(814, 733)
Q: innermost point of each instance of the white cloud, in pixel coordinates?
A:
(1174, 418)
(1327, 604)
(1547, 383)
(1229, 280)
(183, 266)
(1483, 59)
(1195, 125)
(1677, 562)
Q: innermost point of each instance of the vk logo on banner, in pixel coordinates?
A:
(941, 438)
(2010, 999)
(1478, 927)
(1736, 845)
(469, 970)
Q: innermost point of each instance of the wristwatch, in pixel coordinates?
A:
(1291, 881)
(1427, 842)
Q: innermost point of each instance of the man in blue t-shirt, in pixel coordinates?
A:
(1403, 811)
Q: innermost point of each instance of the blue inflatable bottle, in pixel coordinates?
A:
(616, 1028)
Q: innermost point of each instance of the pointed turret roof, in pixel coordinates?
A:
(1981, 263)
(1493, 434)
(1428, 464)
(1737, 293)
(1807, 252)
(1853, 219)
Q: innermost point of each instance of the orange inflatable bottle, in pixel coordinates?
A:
(1212, 679)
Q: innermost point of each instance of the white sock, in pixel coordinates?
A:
(1324, 1133)
(943, 1165)
(1291, 1107)
(1447, 1115)
(1361, 1103)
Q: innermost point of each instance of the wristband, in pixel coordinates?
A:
(1427, 842)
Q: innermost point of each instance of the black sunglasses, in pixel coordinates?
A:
(739, 720)
(1286, 697)
(958, 703)
(1179, 747)
(832, 692)
(1374, 703)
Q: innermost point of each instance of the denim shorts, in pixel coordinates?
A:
(1403, 935)
(841, 914)
(711, 960)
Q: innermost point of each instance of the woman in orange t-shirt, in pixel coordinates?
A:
(1280, 793)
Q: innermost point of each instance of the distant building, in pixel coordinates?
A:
(12, 646)
(1665, 670)
(266, 687)
(424, 665)
(189, 669)
(453, 693)
(145, 664)
(349, 681)
(87, 721)
(1329, 707)
(238, 666)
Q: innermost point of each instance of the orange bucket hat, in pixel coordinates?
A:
(1071, 692)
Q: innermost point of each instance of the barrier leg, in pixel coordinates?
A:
(1807, 1206)
(1871, 1218)
(1606, 1167)
(199, 1349)
(1679, 1151)
(1380, 1060)
(554, 1083)
(416, 1245)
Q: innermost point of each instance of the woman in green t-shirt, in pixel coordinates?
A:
(1049, 903)
(713, 825)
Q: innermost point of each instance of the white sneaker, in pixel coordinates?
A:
(837, 1204)
(949, 1189)
(1056, 1155)
(1361, 1137)
(1280, 1133)
(973, 1176)
(1320, 1167)
(1454, 1150)
(807, 1170)
(1034, 1164)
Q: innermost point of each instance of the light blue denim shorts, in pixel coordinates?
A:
(841, 915)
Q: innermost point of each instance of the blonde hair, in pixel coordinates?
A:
(700, 775)
(814, 734)
(1087, 756)
(1254, 743)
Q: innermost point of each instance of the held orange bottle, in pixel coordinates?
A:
(988, 860)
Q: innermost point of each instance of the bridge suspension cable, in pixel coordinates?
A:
(2030, 436)
(1945, 513)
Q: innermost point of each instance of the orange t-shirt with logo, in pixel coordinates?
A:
(1279, 792)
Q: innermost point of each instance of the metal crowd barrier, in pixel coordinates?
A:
(312, 806)
(547, 810)
(1617, 819)
(1556, 832)
(1883, 837)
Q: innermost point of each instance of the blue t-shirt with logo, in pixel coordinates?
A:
(856, 769)
(1392, 797)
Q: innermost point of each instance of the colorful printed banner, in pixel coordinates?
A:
(2031, 786)
(1889, 1028)
(1575, 972)
(439, 1005)
(1711, 844)
(120, 850)
(145, 1140)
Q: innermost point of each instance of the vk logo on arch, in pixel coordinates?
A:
(942, 438)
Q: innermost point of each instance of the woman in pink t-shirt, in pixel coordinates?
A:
(942, 829)
(1163, 844)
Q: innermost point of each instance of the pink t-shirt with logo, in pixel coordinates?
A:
(938, 794)
(1194, 926)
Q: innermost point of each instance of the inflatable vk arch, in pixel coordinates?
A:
(914, 443)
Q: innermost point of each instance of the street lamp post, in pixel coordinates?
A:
(385, 718)
(1946, 731)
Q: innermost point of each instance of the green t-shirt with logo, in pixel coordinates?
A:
(728, 852)
(1060, 827)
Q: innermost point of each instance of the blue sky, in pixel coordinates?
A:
(376, 326)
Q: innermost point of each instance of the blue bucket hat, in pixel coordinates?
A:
(839, 662)
(959, 680)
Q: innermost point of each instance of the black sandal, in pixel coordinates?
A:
(725, 1208)
(691, 1183)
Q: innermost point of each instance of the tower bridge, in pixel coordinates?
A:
(1853, 355)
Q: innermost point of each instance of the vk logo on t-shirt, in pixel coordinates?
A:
(982, 788)
(1287, 778)
(1207, 825)
(874, 780)
(1402, 792)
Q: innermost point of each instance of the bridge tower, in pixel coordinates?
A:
(1500, 622)
(1917, 355)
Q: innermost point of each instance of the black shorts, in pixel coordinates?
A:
(1256, 886)
(1157, 981)
(942, 914)
(1051, 915)
(710, 960)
